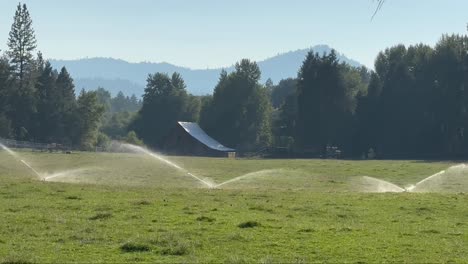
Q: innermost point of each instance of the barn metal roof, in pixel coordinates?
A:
(195, 131)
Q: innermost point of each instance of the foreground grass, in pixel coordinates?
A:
(61, 222)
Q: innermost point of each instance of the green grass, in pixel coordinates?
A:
(139, 170)
(129, 208)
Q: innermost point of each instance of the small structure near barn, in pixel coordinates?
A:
(189, 139)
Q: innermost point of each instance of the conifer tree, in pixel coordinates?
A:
(5, 83)
(47, 118)
(66, 88)
(324, 103)
(119, 103)
(22, 42)
(66, 106)
(5, 96)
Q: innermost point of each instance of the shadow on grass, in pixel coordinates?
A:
(205, 219)
(249, 224)
(101, 216)
(130, 247)
(16, 260)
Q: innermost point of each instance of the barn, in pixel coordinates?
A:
(189, 139)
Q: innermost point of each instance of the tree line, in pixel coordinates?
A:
(413, 104)
(39, 103)
(416, 102)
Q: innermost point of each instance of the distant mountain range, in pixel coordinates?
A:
(130, 78)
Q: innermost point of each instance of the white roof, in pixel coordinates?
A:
(195, 131)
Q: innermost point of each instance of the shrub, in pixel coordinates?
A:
(103, 141)
(133, 139)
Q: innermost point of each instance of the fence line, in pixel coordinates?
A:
(18, 144)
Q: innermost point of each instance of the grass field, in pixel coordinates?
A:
(132, 208)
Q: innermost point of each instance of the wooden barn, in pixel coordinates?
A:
(189, 139)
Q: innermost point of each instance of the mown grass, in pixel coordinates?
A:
(139, 170)
(163, 219)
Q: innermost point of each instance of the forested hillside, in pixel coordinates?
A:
(119, 75)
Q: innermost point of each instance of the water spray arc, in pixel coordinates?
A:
(454, 178)
(63, 174)
(17, 157)
(11, 152)
(41, 176)
(32, 169)
(248, 175)
(378, 185)
(168, 162)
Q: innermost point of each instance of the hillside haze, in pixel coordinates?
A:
(118, 75)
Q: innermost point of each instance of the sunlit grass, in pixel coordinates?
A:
(140, 170)
(136, 210)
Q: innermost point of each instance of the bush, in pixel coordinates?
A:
(88, 143)
(103, 141)
(133, 139)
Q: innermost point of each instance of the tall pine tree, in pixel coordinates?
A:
(47, 118)
(324, 103)
(21, 44)
(66, 105)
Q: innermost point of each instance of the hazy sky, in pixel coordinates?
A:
(214, 33)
